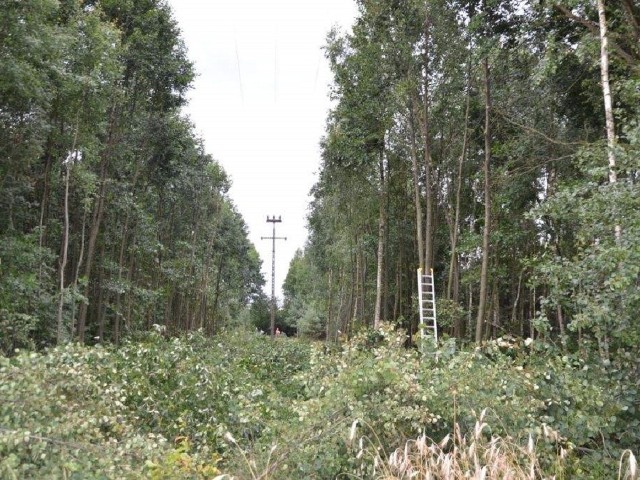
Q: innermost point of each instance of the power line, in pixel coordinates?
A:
(238, 64)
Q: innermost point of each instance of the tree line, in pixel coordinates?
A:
(495, 141)
(114, 218)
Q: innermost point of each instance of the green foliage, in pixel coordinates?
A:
(194, 407)
(60, 420)
(389, 395)
(596, 282)
(93, 90)
(26, 296)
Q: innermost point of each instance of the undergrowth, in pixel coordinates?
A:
(241, 403)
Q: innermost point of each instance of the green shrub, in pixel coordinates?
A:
(241, 402)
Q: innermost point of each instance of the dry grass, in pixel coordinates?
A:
(474, 456)
(471, 456)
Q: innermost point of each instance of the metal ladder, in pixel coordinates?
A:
(427, 305)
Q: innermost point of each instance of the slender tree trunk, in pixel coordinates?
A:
(495, 311)
(398, 294)
(514, 309)
(469, 308)
(216, 295)
(205, 284)
(354, 316)
(73, 156)
(560, 318)
(44, 203)
(329, 306)
(132, 257)
(532, 314)
(428, 236)
(608, 107)
(363, 287)
(65, 249)
(386, 266)
(416, 186)
(381, 244)
(121, 259)
(102, 298)
(456, 219)
(93, 237)
(76, 276)
(96, 222)
(484, 273)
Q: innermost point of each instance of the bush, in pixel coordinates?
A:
(241, 402)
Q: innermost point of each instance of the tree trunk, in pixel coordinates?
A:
(329, 306)
(484, 273)
(381, 229)
(356, 278)
(44, 203)
(76, 276)
(608, 107)
(216, 295)
(93, 237)
(428, 236)
(73, 156)
(416, 186)
(456, 219)
(65, 250)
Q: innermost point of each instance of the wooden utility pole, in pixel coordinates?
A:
(273, 238)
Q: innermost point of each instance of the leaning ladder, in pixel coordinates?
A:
(427, 305)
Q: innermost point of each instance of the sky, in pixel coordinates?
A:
(260, 103)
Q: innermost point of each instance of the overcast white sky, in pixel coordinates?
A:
(260, 103)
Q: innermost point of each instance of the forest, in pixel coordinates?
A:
(495, 142)
(113, 216)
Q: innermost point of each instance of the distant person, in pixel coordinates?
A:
(278, 332)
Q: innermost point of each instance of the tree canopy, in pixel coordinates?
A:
(114, 217)
(467, 132)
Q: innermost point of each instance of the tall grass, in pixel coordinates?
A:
(475, 455)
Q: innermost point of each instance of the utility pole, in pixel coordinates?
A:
(273, 220)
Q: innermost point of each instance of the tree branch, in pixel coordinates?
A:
(635, 22)
(536, 131)
(594, 28)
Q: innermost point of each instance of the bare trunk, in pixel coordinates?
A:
(93, 237)
(484, 273)
(123, 244)
(96, 222)
(44, 203)
(560, 318)
(608, 108)
(428, 235)
(514, 309)
(65, 237)
(132, 257)
(65, 250)
(356, 278)
(216, 295)
(416, 187)
(381, 229)
(99, 306)
(76, 276)
(329, 306)
(456, 219)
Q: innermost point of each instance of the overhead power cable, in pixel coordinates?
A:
(238, 64)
